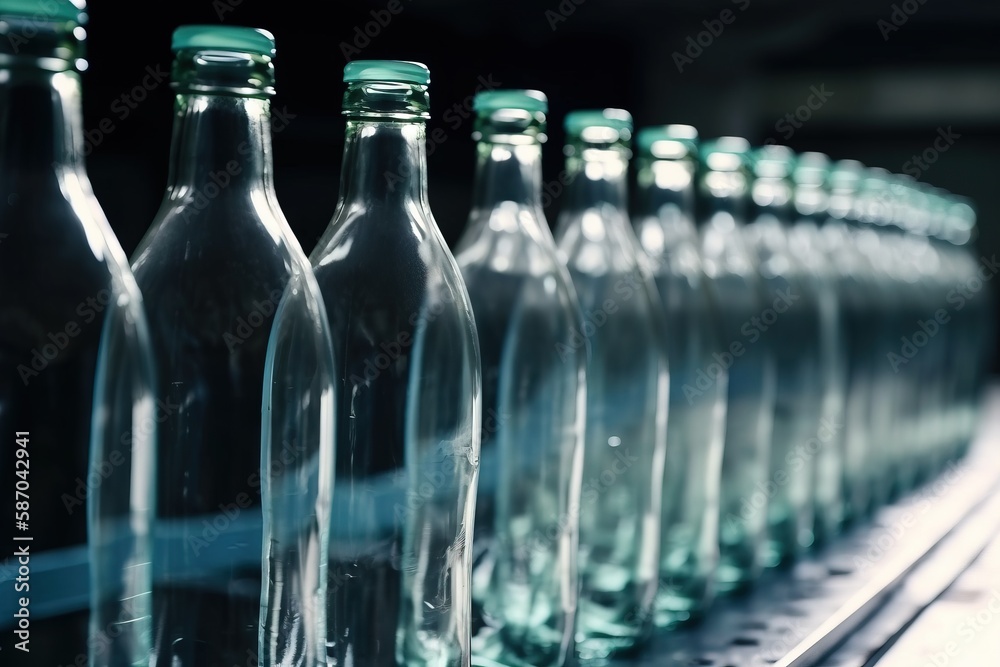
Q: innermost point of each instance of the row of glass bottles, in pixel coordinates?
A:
(343, 536)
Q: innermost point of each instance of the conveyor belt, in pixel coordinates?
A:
(868, 585)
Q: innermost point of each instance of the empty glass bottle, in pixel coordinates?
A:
(75, 404)
(863, 309)
(975, 321)
(534, 391)
(244, 470)
(789, 325)
(627, 388)
(892, 303)
(737, 298)
(689, 539)
(811, 202)
(408, 368)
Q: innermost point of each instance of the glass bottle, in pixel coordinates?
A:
(75, 404)
(627, 388)
(737, 298)
(975, 321)
(790, 325)
(408, 368)
(689, 539)
(893, 303)
(534, 391)
(241, 522)
(863, 303)
(811, 203)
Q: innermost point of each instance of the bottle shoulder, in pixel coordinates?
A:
(598, 241)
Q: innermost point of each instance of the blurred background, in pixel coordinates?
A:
(912, 86)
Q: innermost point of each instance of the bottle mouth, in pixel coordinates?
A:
(515, 126)
(223, 60)
(596, 132)
(218, 72)
(51, 42)
(386, 100)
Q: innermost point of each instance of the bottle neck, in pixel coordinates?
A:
(598, 177)
(507, 172)
(724, 195)
(41, 123)
(221, 147)
(385, 163)
(666, 185)
(773, 200)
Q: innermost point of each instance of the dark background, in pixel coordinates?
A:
(894, 74)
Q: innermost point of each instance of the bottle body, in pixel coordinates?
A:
(408, 425)
(627, 403)
(534, 402)
(790, 325)
(736, 298)
(689, 540)
(77, 377)
(689, 529)
(827, 444)
(218, 262)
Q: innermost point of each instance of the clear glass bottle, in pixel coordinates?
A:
(242, 486)
(627, 388)
(975, 321)
(689, 539)
(811, 203)
(534, 392)
(790, 325)
(738, 301)
(75, 403)
(408, 368)
(892, 304)
(861, 295)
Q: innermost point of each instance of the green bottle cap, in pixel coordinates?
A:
(223, 38)
(526, 100)
(774, 161)
(396, 71)
(725, 153)
(618, 120)
(667, 142)
(46, 10)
